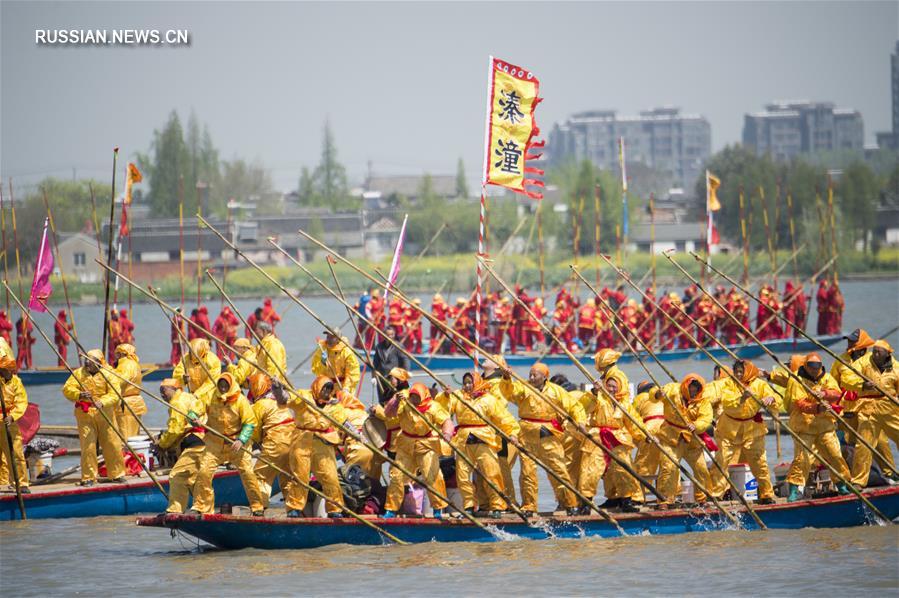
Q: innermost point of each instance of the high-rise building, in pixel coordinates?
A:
(785, 129)
(662, 138)
(890, 139)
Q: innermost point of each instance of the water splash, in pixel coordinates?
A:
(545, 526)
(501, 535)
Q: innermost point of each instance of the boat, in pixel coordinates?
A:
(238, 531)
(59, 375)
(743, 350)
(136, 495)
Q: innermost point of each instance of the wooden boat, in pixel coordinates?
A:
(744, 351)
(136, 495)
(59, 375)
(234, 532)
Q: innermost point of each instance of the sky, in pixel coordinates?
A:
(404, 84)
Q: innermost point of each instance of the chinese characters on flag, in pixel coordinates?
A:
(511, 129)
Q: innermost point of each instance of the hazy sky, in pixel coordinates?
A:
(404, 83)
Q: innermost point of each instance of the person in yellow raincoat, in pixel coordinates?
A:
(607, 425)
(246, 358)
(573, 439)
(479, 442)
(199, 370)
(128, 367)
(542, 433)
(606, 362)
(355, 452)
(508, 453)
(91, 390)
(811, 418)
(686, 412)
(313, 445)
(274, 433)
(15, 401)
(859, 341)
(184, 430)
(740, 432)
(229, 413)
(649, 406)
(877, 414)
(271, 355)
(418, 446)
(337, 360)
(714, 391)
(398, 379)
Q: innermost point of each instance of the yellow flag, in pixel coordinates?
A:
(132, 176)
(713, 182)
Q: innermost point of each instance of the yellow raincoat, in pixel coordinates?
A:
(182, 433)
(195, 365)
(341, 363)
(128, 367)
(15, 399)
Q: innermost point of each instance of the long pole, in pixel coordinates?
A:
(474, 348)
(792, 233)
(102, 413)
(771, 252)
(597, 229)
(740, 384)
(833, 228)
(745, 237)
(115, 155)
(62, 274)
(613, 315)
(15, 238)
(199, 246)
(541, 249)
(181, 234)
(95, 220)
(13, 466)
(652, 243)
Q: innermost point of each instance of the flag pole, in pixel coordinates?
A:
(792, 233)
(95, 221)
(482, 222)
(625, 216)
(652, 241)
(833, 227)
(3, 234)
(597, 223)
(576, 242)
(541, 249)
(199, 246)
(62, 274)
(822, 243)
(181, 234)
(771, 252)
(115, 155)
(15, 235)
(745, 237)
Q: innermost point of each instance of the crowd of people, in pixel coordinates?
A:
(608, 432)
(508, 325)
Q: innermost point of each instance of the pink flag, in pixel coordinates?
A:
(395, 264)
(40, 286)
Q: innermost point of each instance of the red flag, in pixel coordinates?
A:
(40, 286)
(123, 226)
(716, 238)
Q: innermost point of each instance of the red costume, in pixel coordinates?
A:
(203, 320)
(5, 326)
(396, 318)
(506, 326)
(586, 323)
(413, 327)
(177, 323)
(835, 305)
(532, 332)
(375, 309)
(269, 314)
(24, 342)
(822, 301)
(126, 334)
(61, 336)
(646, 325)
(767, 325)
(440, 310)
(795, 308)
(115, 336)
(225, 332)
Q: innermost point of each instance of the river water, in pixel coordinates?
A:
(88, 556)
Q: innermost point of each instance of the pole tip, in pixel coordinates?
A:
(115, 150)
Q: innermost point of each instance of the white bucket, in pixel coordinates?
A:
(141, 446)
(37, 464)
(742, 478)
(687, 494)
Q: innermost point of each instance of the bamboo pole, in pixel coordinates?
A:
(771, 251)
(5, 253)
(745, 236)
(541, 250)
(13, 466)
(792, 233)
(833, 228)
(181, 234)
(105, 332)
(62, 274)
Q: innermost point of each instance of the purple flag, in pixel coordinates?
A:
(40, 286)
(395, 264)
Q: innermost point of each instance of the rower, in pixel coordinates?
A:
(184, 430)
(128, 367)
(271, 355)
(199, 370)
(246, 358)
(90, 391)
(541, 434)
(606, 363)
(176, 335)
(5, 327)
(479, 442)
(858, 343)
(811, 418)
(229, 413)
(417, 447)
(62, 336)
(740, 431)
(24, 342)
(686, 411)
(336, 359)
(877, 414)
(650, 408)
(606, 424)
(15, 401)
(275, 432)
(313, 445)
(492, 372)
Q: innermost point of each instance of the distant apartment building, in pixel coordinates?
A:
(890, 139)
(789, 128)
(661, 138)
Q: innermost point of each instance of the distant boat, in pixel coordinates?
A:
(236, 532)
(136, 495)
(58, 375)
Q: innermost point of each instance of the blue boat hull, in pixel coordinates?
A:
(111, 499)
(60, 375)
(233, 532)
(744, 351)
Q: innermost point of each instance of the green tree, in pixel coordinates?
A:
(330, 176)
(306, 189)
(170, 160)
(858, 194)
(461, 182)
(250, 182)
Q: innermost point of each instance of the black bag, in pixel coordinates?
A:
(355, 486)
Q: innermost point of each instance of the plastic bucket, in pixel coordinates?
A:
(742, 477)
(141, 446)
(38, 464)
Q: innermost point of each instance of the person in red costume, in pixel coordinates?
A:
(532, 332)
(647, 319)
(836, 305)
(269, 314)
(5, 327)
(795, 308)
(822, 303)
(440, 310)
(115, 336)
(586, 323)
(126, 335)
(203, 320)
(24, 342)
(225, 332)
(413, 327)
(62, 336)
(375, 309)
(175, 338)
(506, 325)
